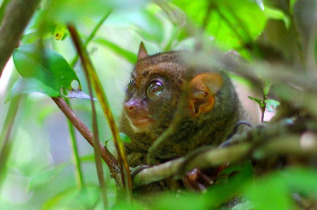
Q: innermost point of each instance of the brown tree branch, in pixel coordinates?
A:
(86, 133)
(18, 14)
(274, 141)
(217, 157)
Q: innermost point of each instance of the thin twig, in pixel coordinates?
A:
(101, 180)
(86, 133)
(124, 167)
(263, 106)
(76, 159)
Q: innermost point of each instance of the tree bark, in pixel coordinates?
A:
(17, 16)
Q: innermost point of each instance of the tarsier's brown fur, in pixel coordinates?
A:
(212, 107)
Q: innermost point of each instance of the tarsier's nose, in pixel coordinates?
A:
(137, 114)
(134, 107)
(130, 106)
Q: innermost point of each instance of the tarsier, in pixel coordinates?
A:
(212, 108)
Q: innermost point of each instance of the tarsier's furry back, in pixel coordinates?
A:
(157, 83)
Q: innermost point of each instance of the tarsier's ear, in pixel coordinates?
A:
(203, 89)
(142, 52)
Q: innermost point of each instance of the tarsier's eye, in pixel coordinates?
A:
(131, 87)
(155, 89)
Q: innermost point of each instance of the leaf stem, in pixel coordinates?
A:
(76, 159)
(99, 168)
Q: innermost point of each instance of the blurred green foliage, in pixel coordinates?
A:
(45, 66)
(39, 171)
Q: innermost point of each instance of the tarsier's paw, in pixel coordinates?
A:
(199, 181)
(196, 180)
(137, 170)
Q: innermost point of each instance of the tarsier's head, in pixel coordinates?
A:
(156, 85)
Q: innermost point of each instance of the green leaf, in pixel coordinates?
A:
(125, 138)
(76, 11)
(44, 177)
(38, 28)
(278, 15)
(247, 205)
(129, 56)
(37, 20)
(232, 23)
(292, 3)
(266, 88)
(269, 193)
(258, 101)
(237, 168)
(44, 113)
(274, 191)
(145, 22)
(230, 184)
(30, 85)
(301, 180)
(73, 198)
(135, 205)
(271, 104)
(45, 65)
(68, 194)
(32, 37)
(88, 158)
(149, 26)
(186, 201)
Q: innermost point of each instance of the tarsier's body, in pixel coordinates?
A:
(212, 108)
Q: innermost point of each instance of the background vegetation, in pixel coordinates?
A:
(45, 164)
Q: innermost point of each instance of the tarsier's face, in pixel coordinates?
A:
(156, 85)
(148, 96)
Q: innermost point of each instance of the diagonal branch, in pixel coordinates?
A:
(17, 15)
(86, 133)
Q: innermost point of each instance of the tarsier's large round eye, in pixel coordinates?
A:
(154, 90)
(131, 87)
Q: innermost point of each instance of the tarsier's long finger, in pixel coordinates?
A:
(189, 184)
(192, 180)
(205, 178)
(201, 187)
(194, 185)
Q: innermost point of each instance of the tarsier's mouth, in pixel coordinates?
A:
(140, 124)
